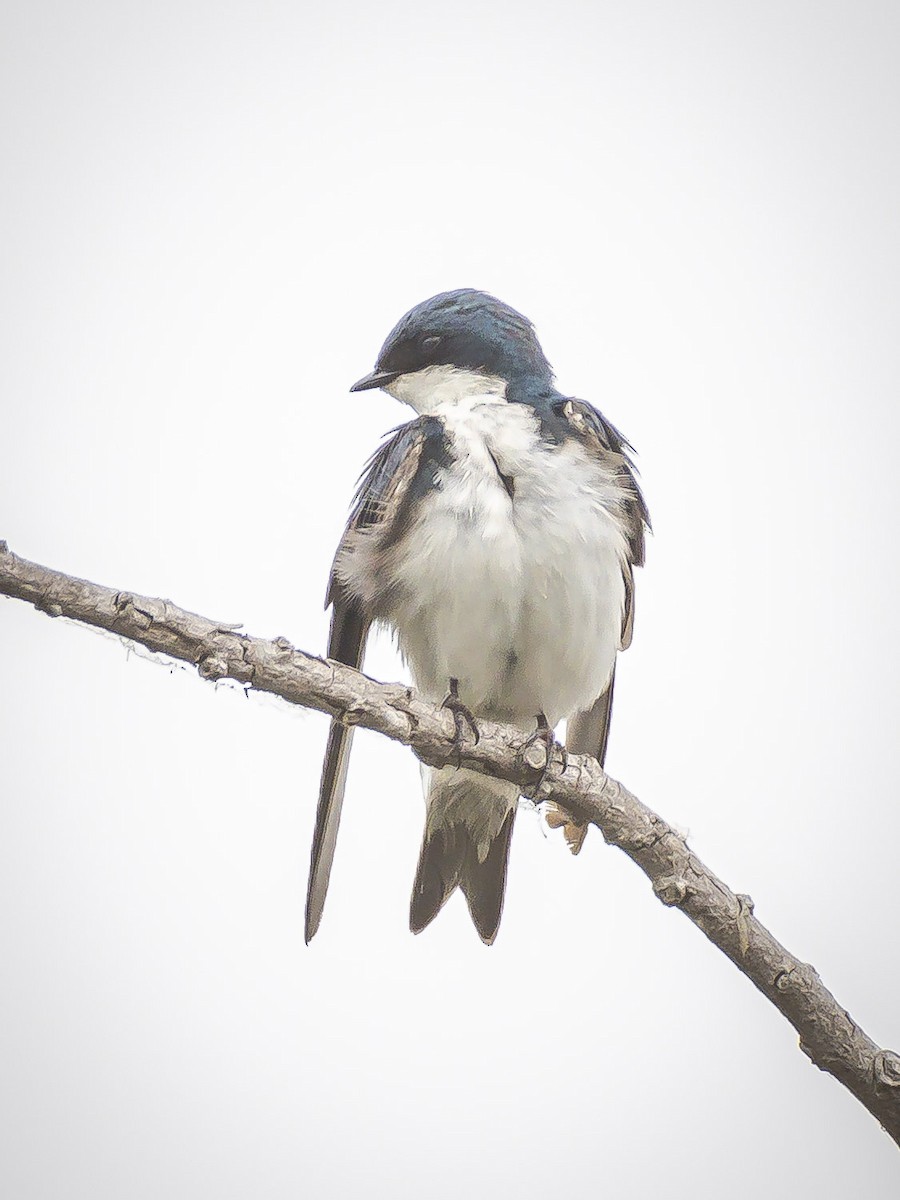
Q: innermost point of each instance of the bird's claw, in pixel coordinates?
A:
(462, 716)
(544, 735)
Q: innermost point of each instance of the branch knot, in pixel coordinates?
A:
(887, 1071)
(212, 664)
(123, 601)
(671, 889)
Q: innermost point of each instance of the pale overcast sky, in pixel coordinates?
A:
(212, 215)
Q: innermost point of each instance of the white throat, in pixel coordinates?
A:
(435, 387)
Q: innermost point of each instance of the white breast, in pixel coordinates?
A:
(518, 597)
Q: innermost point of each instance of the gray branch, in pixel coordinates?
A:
(828, 1034)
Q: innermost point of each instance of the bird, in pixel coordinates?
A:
(496, 535)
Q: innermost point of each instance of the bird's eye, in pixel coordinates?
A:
(430, 343)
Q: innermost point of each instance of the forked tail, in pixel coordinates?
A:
(466, 845)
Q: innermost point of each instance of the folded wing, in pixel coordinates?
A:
(396, 475)
(588, 732)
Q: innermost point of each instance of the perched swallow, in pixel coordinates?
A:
(496, 534)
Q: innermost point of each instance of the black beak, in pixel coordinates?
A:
(374, 379)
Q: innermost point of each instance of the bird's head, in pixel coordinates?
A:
(458, 344)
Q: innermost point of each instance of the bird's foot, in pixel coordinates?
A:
(574, 831)
(462, 716)
(544, 735)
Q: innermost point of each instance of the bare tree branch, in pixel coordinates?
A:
(828, 1035)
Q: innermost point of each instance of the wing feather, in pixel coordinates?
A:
(388, 487)
(588, 732)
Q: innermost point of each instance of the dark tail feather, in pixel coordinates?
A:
(437, 875)
(484, 883)
(449, 860)
(586, 733)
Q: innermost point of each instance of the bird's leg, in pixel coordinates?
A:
(544, 734)
(462, 715)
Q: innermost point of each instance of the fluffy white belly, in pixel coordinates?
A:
(519, 597)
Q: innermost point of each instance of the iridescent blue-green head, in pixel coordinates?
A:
(459, 343)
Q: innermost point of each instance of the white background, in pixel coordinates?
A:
(212, 215)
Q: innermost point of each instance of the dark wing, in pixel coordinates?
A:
(397, 473)
(588, 732)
